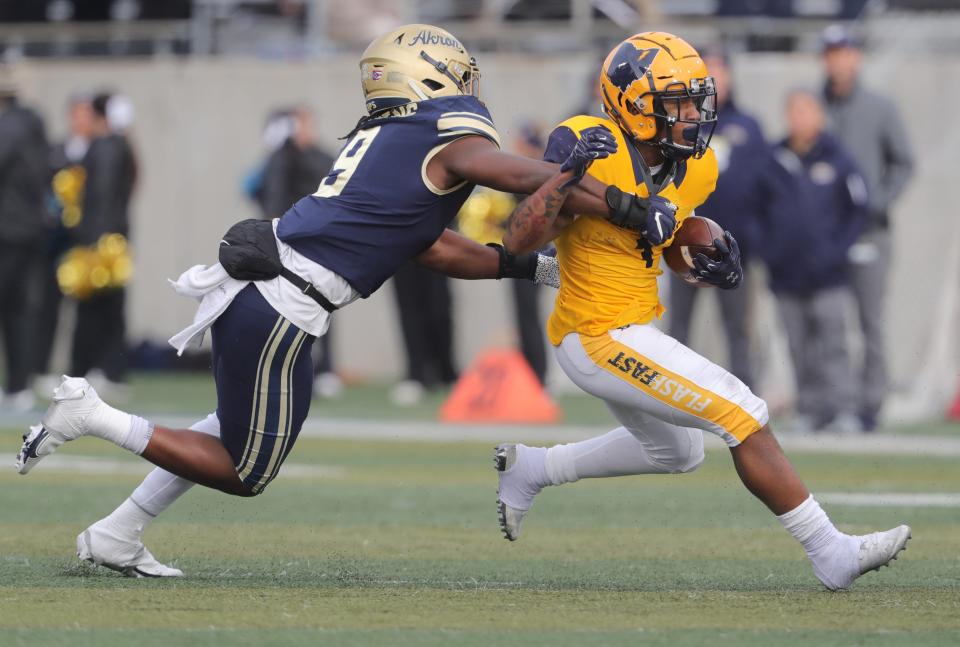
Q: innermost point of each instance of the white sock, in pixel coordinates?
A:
(121, 428)
(129, 519)
(833, 553)
(615, 453)
(810, 525)
(158, 490)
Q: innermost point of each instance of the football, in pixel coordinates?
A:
(695, 236)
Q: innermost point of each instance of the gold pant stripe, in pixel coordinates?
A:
(271, 338)
(668, 387)
(286, 409)
(260, 417)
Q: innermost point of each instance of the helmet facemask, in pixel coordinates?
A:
(465, 77)
(668, 111)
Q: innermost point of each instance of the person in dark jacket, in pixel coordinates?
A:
(810, 237)
(742, 154)
(64, 211)
(99, 339)
(871, 129)
(292, 171)
(24, 178)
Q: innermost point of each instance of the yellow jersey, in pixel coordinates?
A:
(608, 274)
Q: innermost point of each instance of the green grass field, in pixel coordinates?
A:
(396, 543)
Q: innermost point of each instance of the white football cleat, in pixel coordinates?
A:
(73, 402)
(514, 495)
(36, 444)
(872, 551)
(880, 548)
(100, 544)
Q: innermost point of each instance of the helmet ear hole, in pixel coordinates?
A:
(433, 85)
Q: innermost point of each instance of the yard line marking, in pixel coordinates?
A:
(95, 465)
(880, 444)
(892, 499)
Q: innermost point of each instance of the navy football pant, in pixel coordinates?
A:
(264, 376)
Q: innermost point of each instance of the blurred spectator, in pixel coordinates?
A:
(276, 131)
(24, 178)
(99, 339)
(426, 322)
(592, 103)
(66, 162)
(482, 219)
(870, 128)
(294, 169)
(742, 155)
(812, 229)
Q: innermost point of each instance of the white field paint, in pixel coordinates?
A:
(892, 499)
(97, 466)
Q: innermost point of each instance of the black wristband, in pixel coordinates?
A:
(620, 205)
(515, 267)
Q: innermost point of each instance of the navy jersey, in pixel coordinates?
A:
(376, 208)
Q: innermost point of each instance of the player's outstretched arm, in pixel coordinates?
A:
(461, 258)
(478, 160)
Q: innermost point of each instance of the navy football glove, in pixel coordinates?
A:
(595, 143)
(726, 273)
(655, 218)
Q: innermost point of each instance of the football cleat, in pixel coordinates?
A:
(514, 497)
(36, 444)
(100, 544)
(872, 551)
(73, 402)
(880, 548)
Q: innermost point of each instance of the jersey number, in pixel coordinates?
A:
(646, 251)
(347, 163)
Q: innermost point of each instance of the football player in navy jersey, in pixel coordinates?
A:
(400, 178)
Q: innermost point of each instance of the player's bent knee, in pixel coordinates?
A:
(695, 455)
(689, 458)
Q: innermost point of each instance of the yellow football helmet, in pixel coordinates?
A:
(416, 63)
(642, 83)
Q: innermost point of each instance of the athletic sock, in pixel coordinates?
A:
(129, 519)
(160, 488)
(615, 453)
(126, 430)
(833, 553)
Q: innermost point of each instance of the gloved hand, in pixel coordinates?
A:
(726, 273)
(654, 217)
(542, 269)
(595, 143)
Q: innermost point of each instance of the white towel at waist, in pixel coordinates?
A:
(216, 289)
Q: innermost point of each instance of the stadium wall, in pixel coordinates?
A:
(197, 133)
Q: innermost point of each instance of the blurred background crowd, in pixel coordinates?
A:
(133, 133)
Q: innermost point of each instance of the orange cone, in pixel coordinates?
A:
(954, 412)
(499, 386)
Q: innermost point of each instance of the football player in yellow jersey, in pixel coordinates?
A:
(659, 101)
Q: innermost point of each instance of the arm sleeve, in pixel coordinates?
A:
(898, 158)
